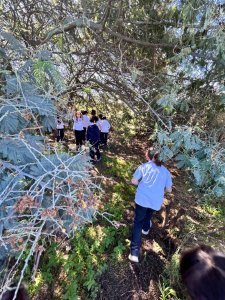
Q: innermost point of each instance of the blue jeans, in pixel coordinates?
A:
(142, 219)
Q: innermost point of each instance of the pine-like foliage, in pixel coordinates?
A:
(192, 99)
(205, 159)
(43, 193)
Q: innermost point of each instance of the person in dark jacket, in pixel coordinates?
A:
(93, 136)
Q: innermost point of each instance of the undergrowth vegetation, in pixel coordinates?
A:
(72, 269)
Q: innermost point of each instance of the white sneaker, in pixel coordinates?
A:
(147, 232)
(133, 258)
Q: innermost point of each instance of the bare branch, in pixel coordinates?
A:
(84, 22)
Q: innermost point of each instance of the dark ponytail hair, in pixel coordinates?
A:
(21, 294)
(154, 155)
(202, 271)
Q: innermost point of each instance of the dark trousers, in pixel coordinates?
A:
(78, 137)
(142, 219)
(94, 150)
(104, 138)
(60, 134)
(84, 134)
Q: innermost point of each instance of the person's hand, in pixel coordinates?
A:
(134, 181)
(169, 190)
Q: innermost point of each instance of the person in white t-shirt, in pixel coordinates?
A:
(99, 123)
(105, 126)
(86, 123)
(152, 180)
(78, 129)
(60, 129)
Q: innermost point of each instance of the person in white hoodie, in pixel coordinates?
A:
(60, 129)
(78, 129)
(99, 123)
(105, 126)
(86, 123)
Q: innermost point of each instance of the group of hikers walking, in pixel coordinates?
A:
(93, 129)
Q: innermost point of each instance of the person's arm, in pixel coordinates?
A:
(88, 133)
(134, 181)
(88, 121)
(97, 133)
(168, 188)
(136, 176)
